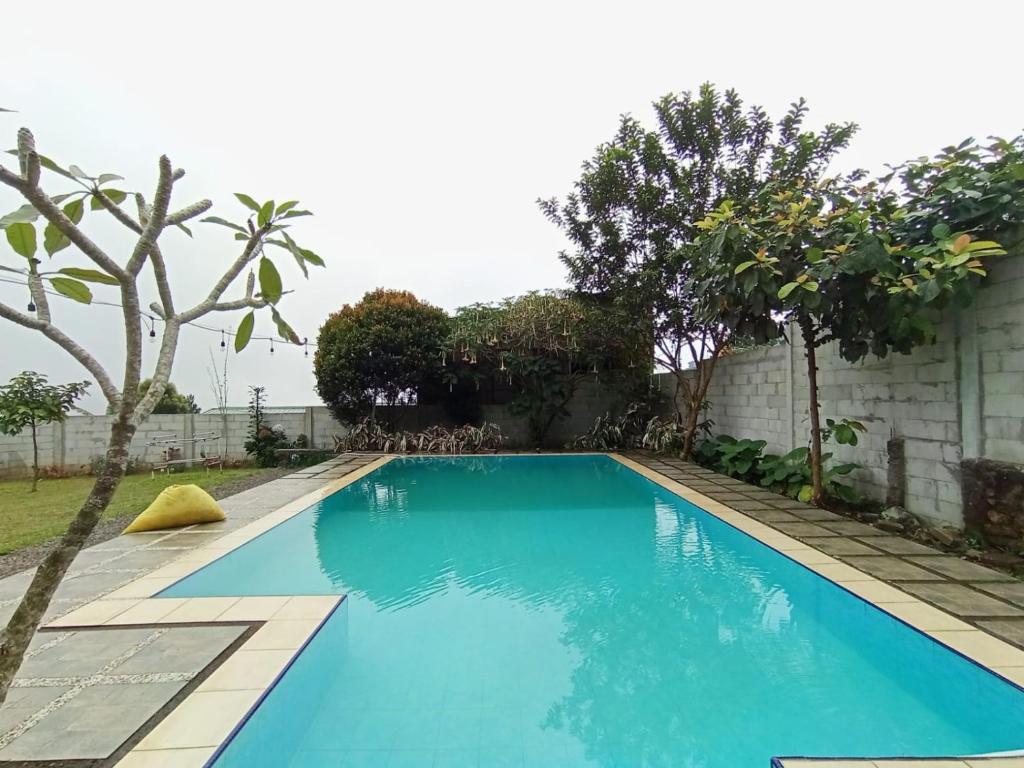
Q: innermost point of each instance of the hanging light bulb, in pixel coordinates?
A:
(152, 330)
(305, 346)
(31, 306)
(271, 346)
(222, 342)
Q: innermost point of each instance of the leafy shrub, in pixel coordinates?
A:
(736, 458)
(788, 474)
(371, 436)
(633, 429)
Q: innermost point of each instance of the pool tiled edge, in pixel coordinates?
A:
(975, 644)
(192, 732)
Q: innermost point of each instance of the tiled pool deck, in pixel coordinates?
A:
(119, 678)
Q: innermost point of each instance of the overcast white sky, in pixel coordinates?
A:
(420, 134)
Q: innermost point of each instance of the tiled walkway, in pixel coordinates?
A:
(82, 693)
(980, 596)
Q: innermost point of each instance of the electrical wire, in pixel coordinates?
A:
(153, 319)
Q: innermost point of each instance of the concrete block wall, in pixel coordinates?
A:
(962, 397)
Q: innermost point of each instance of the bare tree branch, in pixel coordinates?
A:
(161, 373)
(163, 285)
(117, 211)
(70, 346)
(222, 306)
(156, 219)
(189, 212)
(251, 250)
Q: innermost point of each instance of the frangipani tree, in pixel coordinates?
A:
(75, 265)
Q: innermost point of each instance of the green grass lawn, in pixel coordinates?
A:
(31, 518)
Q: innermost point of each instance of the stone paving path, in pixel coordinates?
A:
(82, 694)
(988, 599)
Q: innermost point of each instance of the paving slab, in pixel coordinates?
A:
(892, 568)
(840, 546)
(900, 546)
(1008, 629)
(1012, 592)
(961, 600)
(804, 529)
(960, 570)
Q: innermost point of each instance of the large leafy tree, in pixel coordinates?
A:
(632, 221)
(846, 263)
(377, 351)
(75, 266)
(28, 401)
(545, 344)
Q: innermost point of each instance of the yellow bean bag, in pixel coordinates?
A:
(177, 505)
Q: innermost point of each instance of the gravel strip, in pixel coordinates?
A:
(29, 557)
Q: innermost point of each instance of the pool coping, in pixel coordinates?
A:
(201, 725)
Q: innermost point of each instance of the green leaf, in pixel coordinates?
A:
(244, 332)
(814, 255)
(810, 285)
(248, 201)
(90, 275)
(744, 266)
(311, 257)
(270, 281)
(73, 289)
(266, 213)
(115, 195)
(78, 173)
(294, 214)
(184, 229)
(285, 207)
(54, 240)
(24, 215)
(75, 210)
(787, 289)
(940, 231)
(283, 329)
(805, 493)
(226, 223)
(22, 237)
(105, 178)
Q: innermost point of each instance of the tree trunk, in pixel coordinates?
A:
(35, 460)
(26, 619)
(697, 394)
(813, 407)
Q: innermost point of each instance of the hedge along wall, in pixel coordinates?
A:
(961, 398)
(71, 446)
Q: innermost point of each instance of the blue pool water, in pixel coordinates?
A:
(565, 611)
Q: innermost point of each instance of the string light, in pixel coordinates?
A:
(305, 347)
(271, 346)
(222, 342)
(151, 319)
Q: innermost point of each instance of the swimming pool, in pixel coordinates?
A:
(565, 611)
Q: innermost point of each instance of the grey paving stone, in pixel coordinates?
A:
(82, 654)
(960, 570)
(1012, 592)
(853, 528)
(145, 559)
(815, 515)
(900, 546)
(770, 515)
(91, 585)
(14, 586)
(804, 529)
(1008, 629)
(962, 601)
(92, 724)
(190, 539)
(750, 507)
(840, 546)
(892, 569)
(24, 702)
(181, 649)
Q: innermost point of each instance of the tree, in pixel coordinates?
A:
(830, 256)
(28, 401)
(267, 225)
(632, 221)
(546, 344)
(172, 401)
(376, 351)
